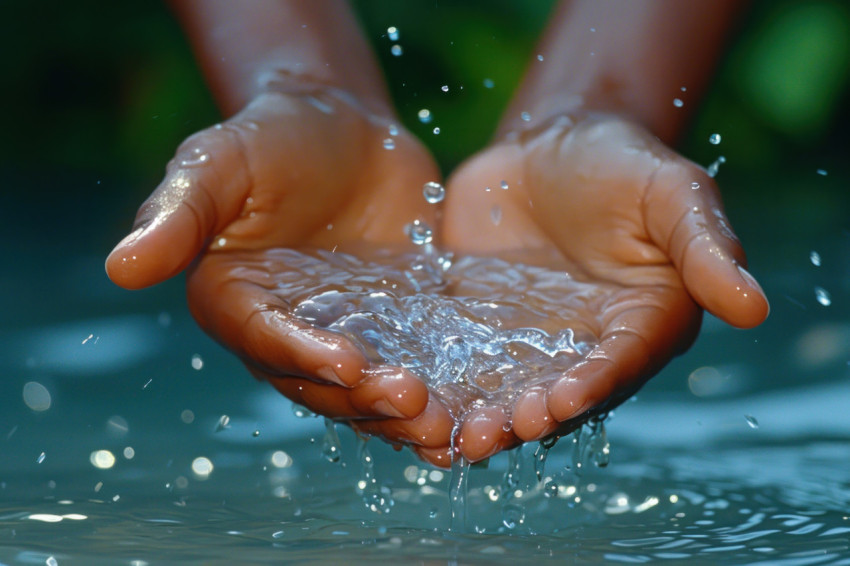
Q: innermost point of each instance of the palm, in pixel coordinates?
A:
(617, 210)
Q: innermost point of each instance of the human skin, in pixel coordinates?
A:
(302, 164)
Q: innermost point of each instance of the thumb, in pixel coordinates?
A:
(204, 188)
(685, 219)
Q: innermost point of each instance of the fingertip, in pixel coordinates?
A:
(484, 432)
(531, 416)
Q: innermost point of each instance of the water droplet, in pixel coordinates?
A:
(694, 185)
(255, 434)
(393, 130)
(433, 192)
(823, 297)
(592, 29)
(196, 157)
(496, 214)
(714, 139)
(396, 50)
(526, 117)
(488, 83)
(392, 33)
(302, 412)
(822, 172)
(40, 458)
(539, 57)
(814, 257)
(187, 416)
(389, 143)
(197, 362)
(504, 185)
(677, 102)
(684, 89)
(51, 561)
(223, 423)
(36, 396)
(424, 115)
(714, 167)
(550, 489)
(436, 131)
(444, 88)
(419, 233)
(751, 421)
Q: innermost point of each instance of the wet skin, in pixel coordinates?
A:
(597, 194)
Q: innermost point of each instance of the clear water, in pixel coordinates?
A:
(690, 479)
(475, 331)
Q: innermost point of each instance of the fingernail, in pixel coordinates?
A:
(131, 237)
(385, 408)
(749, 279)
(328, 374)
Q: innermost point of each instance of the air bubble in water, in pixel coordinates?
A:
(713, 168)
(513, 515)
(526, 117)
(751, 421)
(677, 102)
(396, 50)
(822, 296)
(714, 139)
(419, 233)
(392, 33)
(814, 257)
(424, 115)
(389, 143)
(433, 192)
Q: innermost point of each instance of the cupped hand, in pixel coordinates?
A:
(289, 171)
(618, 210)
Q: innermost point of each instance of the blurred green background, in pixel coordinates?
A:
(98, 94)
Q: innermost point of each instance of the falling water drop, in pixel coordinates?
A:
(396, 50)
(436, 131)
(714, 139)
(751, 421)
(444, 88)
(713, 168)
(677, 102)
(457, 495)
(814, 257)
(488, 83)
(822, 296)
(331, 444)
(424, 115)
(392, 33)
(419, 233)
(526, 117)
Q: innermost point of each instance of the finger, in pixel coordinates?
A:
(328, 400)
(204, 189)
(431, 429)
(638, 339)
(686, 220)
(392, 392)
(440, 456)
(258, 326)
(484, 432)
(531, 417)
